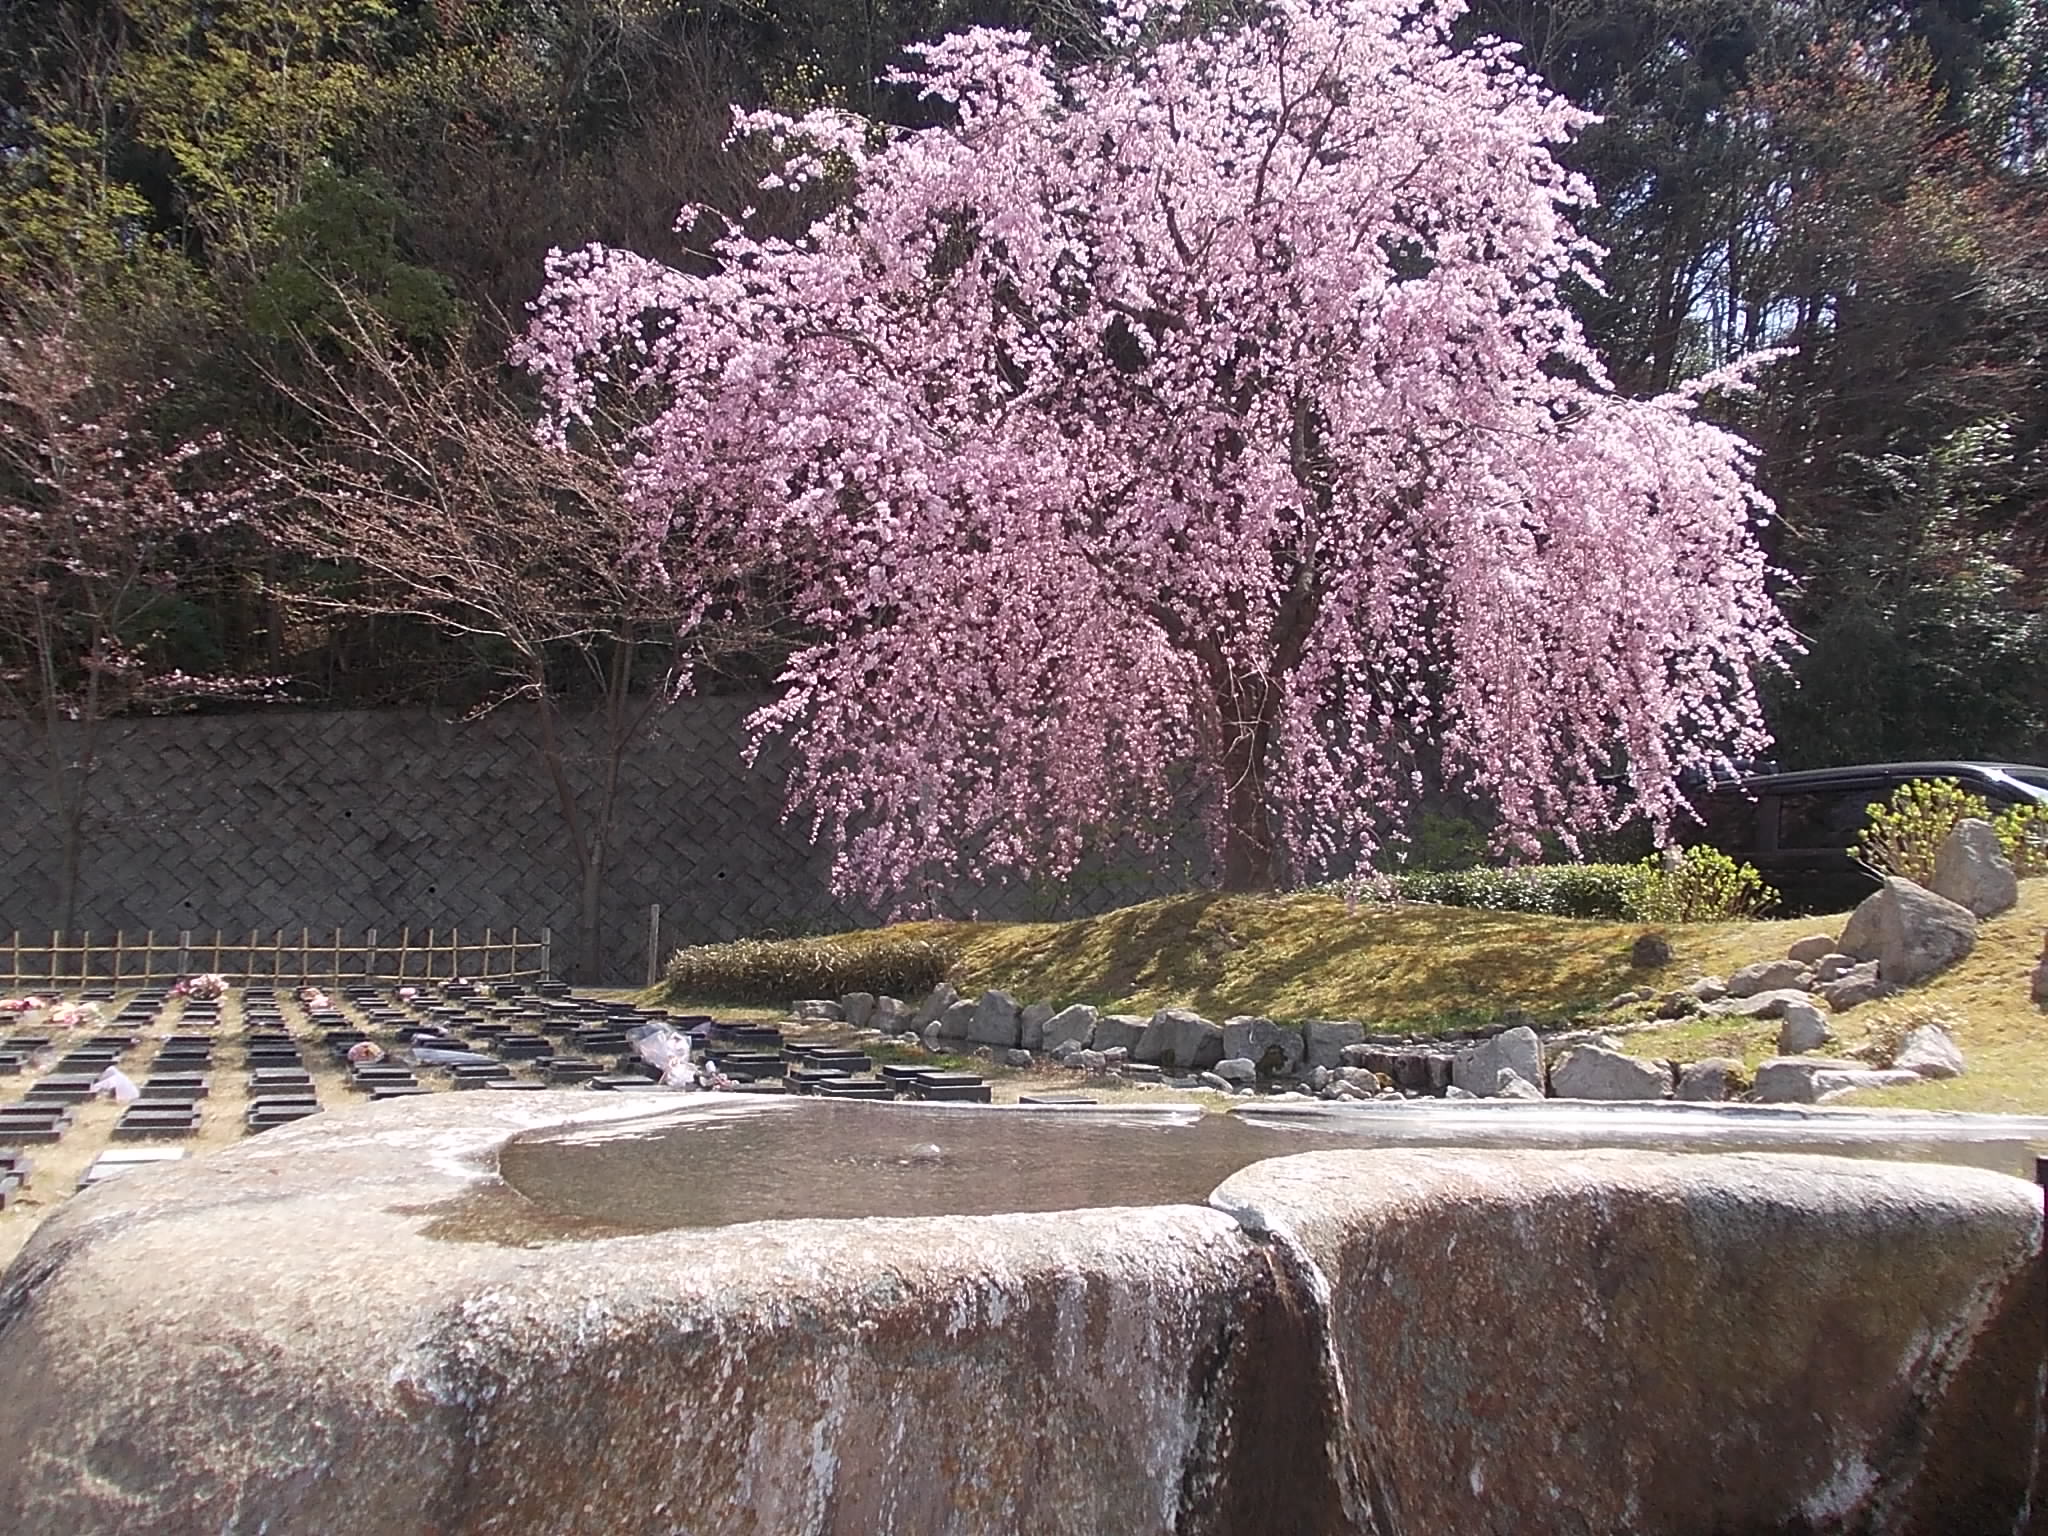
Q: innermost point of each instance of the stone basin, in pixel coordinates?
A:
(332, 1330)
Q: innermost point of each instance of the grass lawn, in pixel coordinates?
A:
(1438, 969)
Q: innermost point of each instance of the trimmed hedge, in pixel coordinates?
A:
(778, 971)
(1555, 890)
(1703, 886)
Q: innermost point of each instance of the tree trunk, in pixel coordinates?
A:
(590, 917)
(1247, 840)
(1244, 712)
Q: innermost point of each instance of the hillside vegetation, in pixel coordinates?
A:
(1444, 969)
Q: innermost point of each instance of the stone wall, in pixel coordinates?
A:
(283, 819)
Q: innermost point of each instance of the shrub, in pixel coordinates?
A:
(781, 970)
(1699, 885)
(2023, 834)
(1555, 890)
(1441, 843)
(1906, 831)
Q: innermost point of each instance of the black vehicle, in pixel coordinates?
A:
(1796, 828)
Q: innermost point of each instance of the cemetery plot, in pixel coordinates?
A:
(207, 1070)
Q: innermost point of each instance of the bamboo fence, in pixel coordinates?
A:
(430, 954)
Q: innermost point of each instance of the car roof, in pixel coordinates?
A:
(2030, 781)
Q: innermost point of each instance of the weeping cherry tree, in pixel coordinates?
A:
(1204, 420)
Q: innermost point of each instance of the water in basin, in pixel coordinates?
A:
(717, 1161)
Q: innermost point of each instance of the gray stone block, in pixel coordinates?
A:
(1325, 1040)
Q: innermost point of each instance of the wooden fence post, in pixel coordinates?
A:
(547, 944)
(369, 954)
(184, 953)
(148, 956)
(653, 943)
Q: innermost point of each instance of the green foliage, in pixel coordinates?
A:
(782, 970)
(1441, 842)
(342, 240)
(1924, 634)
(1905, 832)
(1554, 890)
(1702, 885)
(2023, 835)
(1699, 885)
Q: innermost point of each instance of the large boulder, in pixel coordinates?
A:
(1593, 1072)
(1711, 1081)
(1179, 1038)
(1324, 1040)
(1971, 870)
(1274, 1048)
(934, 1006)
(1769, 976)
(1909, 931)
(1072, 1025)
(1477, 1068)
(1811, 950)
(892, 1016)
(1616, 1356)
(858, 1008)
(1930, 1051)
(957, 1022)
(1164, 1371)
(1789, 1079)
(975, 1375)
(1119, 1031)
(1031, 1022)
(995, 1022)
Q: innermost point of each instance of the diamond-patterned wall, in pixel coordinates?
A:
(282, 819)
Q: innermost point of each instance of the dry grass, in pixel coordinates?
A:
(1432, 969)
(1984, 1001)
(1309, 956)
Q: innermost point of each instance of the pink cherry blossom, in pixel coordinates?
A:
(1200, 426)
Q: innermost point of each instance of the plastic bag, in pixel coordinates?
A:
(116, 1085)
(426, 1055)
(666, 1050)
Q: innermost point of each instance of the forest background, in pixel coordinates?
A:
(221, 219)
